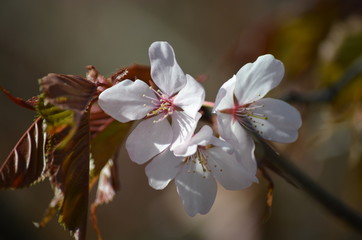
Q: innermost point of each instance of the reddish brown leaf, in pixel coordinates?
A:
(29, 104)
(99, 120)
(106, 143)
(68, 91)
(26, 164)
(132, 72)
(60, 124)
(71, 177)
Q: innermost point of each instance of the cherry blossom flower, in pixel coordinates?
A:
(177, 96)
(201, 160)
(240, 107)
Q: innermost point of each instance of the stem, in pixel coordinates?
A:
(208, 104)
(331, 203)
(331, 92)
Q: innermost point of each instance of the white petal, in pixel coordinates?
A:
(221, 143)
(197, 189)
(225, 96)
(202, 138)
(165, 71)
(232, 132)
(183, 127)
(148, 139)
(191, 97)
(125, 102)
(255, 80)
(282, 123)
(227, 170)
(162, 169)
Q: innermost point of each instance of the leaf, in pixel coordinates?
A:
(68, 91)
(71, 176)
(65, 104)
(29, 104)
(99, 120)
(107, 140)
(132, 72)
(64, 92)
(68, 166)
(26, 163)
(108, 185)
(60, 124)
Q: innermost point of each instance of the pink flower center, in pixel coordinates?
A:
(247, 117)
(163, 105)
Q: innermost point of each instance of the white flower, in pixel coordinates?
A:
(177, 95)
(202, 159)
(240, 106)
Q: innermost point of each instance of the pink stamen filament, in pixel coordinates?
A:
(245, 115)
(162, 104)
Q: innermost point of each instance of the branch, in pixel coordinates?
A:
(331, 203)
(329, 93)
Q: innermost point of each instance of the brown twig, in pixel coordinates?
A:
(330, 202)
(328, 94)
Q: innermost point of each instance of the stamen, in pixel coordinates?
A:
(200, 157)
(247, 116)
(158, 92)
(162, 105)
(148, 97)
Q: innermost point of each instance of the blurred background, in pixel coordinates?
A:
(317, 41)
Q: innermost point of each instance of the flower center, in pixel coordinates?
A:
(162, 104)
(200, 157)
(247, 117)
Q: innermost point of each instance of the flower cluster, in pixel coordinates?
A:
(169, 110)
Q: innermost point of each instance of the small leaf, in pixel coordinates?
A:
(106, 143)
(71, 176)
(132, 72)
(29, 104)
(64, 100)
(60, 124)
(26, 163)
(68, 91)
(99, 120)
(68, 166)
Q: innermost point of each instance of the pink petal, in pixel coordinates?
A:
(255, 80)
(162, 169)
(282, 123)
(148, 139)
(233, 133)
(197, 189)
(125, 102)
(225, 96)
(228, 171)
(191, 97)
(165, 71)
